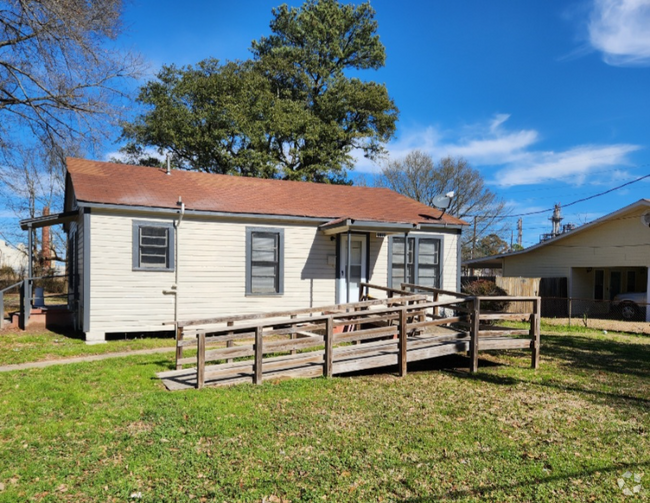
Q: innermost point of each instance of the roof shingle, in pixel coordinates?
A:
(121, 184)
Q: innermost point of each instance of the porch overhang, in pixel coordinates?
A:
(343, 225)
(48, 220)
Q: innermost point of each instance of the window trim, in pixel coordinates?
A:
(249, 256)
(137, 225)
(416, 252)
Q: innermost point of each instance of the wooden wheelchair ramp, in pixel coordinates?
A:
(334, 340)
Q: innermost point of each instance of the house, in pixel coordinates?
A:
(148, 247)
(13, 256)
(598, 260)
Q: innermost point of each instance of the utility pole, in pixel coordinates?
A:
(520, 231)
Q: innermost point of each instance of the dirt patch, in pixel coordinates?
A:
(630, 327)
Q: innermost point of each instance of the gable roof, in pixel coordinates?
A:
(495, 261)
(126, 185)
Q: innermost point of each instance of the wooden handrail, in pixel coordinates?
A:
(402, 317)
(434, 290)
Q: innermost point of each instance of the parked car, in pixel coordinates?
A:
(630, 305)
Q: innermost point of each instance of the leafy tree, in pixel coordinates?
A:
(289, 112)
(419, 177)
(491, 244)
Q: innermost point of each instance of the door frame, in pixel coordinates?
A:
(341, 290)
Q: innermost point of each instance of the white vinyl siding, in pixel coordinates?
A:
(211, 268)
(620, 242)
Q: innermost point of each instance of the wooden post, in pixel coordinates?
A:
(179, 348)
(329, 347)
(259, 355)
(200, 361)
(475, 313)
(294, 336)
(230, 343)
(570, 306)
(436, 309)
(535, 329)
(402, 341)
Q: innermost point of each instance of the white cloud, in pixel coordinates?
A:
(573, 165)
(620, 29)
(491, 144)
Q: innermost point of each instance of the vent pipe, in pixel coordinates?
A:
(169, 165)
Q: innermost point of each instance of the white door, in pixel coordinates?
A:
(358, 268)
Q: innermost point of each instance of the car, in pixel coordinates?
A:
(630, 305)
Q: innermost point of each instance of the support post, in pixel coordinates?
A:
(27, 284)
(2, 310)
(259, 355)
(570, 308)
(179, 347)
(329, 347)
(535, 329)
(402, 341)
(230, 343)
(436, 309)
(475, 313)
(200, 361)
(348, 269)
(294, 336)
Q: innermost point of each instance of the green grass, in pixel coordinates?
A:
(103, 431)
(21, 347)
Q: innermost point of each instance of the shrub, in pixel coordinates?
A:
(485, 288)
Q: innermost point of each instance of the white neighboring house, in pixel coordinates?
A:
(147, 247)
(599, 260)
(13, 256)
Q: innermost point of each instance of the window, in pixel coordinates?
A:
(153, 246)
(419, 263)
(264, 261)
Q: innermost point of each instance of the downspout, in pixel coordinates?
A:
(177, 226)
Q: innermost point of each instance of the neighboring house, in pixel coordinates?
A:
(13, 256)
(599, 260)
(148, 247)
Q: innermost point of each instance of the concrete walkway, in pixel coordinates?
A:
(80, 359)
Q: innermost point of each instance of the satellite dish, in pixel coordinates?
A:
(442, 202)
(645, 219)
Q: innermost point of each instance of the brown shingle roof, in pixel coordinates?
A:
(121, 184)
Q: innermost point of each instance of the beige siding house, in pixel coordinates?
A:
(148, 247)
(600, 260)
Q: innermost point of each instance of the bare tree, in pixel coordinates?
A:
(418, 177)
(61, 86)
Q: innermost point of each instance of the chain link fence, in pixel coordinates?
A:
(581, 309)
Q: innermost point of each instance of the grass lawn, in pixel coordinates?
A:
(108, 431)
(36, 345)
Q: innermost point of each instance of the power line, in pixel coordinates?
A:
(569, 204)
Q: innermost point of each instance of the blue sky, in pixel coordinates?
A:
(549, 99)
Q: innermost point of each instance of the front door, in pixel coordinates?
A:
(349, 290)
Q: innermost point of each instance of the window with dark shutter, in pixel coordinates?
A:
(264, 261)
(153, 246)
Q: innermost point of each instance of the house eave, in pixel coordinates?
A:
(343, 225)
